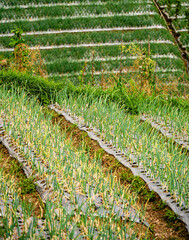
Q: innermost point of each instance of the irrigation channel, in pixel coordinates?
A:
(175, 34)
(131, 163)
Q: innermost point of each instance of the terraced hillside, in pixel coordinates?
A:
(76, 35)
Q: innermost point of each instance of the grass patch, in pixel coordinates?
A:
(170, 216)
(71, 127)
(99, 153)
(26, 185)
(138, 185)
(23, 185)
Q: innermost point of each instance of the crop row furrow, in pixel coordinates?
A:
(132, 162)
(15, 221)
(150, 147)
(46, 192)
(73, 11)
(171, 120)
(126, 64)
(32, 166)
(100, 59)
(93, 37)
(92, 45)
(158, 70)
(22, 225)
(85, 23)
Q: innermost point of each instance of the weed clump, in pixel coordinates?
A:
(138, 185)
(170, 216)
(26, 185)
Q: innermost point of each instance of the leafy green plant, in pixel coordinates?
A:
(162, 205)
(17, 38)
(144, 64)
(27, 186)
(170, 216)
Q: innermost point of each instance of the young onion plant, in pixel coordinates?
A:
(172, 119)
(15, 215)
(159, 157)
(83, 201)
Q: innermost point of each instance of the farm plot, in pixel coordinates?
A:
(171, 121)
(81, 201)
(15, 215)
(83, 35)
(181, 22)
(36, 3)
(160, 159)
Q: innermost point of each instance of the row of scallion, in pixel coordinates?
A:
(85, 23)
(84, 201)
(94, 37)
(174, 119)
(15, 214)
(158, 156)
(59, 11)
(13, 3)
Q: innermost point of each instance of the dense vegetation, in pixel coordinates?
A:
(94, 131)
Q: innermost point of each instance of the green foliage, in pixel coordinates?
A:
(159, 205)
(40, 87)
(27, 186)
(170, 216)
(45, 90)
(17, 38)
(137, 184)
(99, 153)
